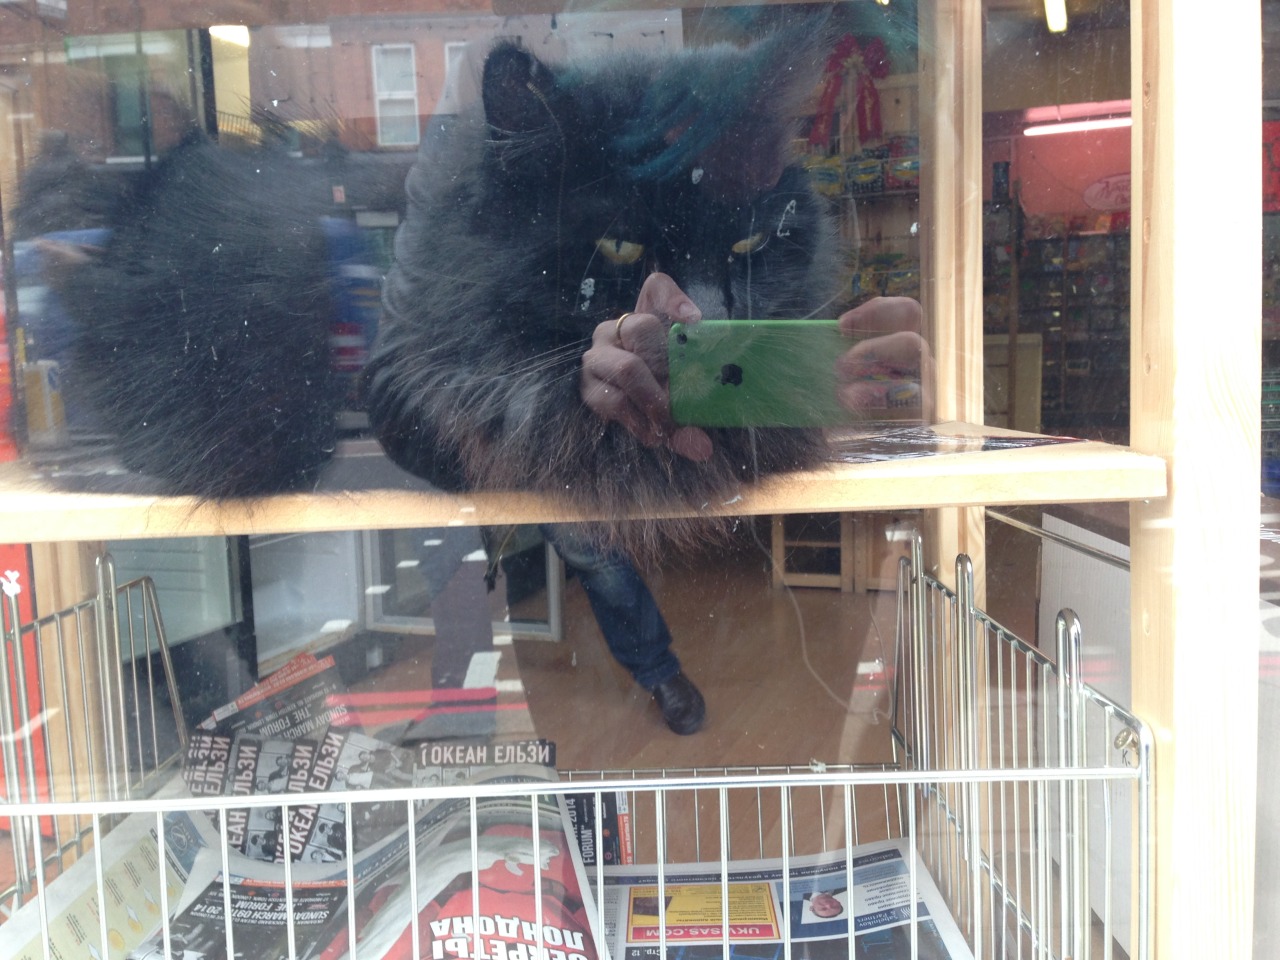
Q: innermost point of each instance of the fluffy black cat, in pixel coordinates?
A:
(539, 216)
(204, 322)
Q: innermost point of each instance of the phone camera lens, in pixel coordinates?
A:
(682, 338)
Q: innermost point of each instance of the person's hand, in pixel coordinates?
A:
(624, 373)
(892, 366)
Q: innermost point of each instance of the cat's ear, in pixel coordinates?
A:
(729, 112)
(517, 91)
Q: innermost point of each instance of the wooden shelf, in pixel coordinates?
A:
(32, 511)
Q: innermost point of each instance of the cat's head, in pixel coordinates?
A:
(605, 171)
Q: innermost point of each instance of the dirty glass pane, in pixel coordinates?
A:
(636, 261)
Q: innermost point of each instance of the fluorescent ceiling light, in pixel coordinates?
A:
(1078, 126)
(1055, 15)
(1076, 111)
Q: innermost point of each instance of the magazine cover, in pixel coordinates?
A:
(526, 866)
(605, 838)
(298, 700)
(131, 874)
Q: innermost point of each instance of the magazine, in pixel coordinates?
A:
(495, 886)
(812, 909)
(298, 700)
(489, 907)
(904, 443)
(606, 838)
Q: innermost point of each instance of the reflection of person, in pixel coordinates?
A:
(626, 612)
(633, 627)
(624, 379)
(825, 905)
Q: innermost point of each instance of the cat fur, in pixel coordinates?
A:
(499, 282)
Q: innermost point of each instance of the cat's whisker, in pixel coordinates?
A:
(820, 309)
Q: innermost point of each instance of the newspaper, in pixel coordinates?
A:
(814, 911)
(347, 760)
(521, 876)
(259, 912)
(248, 765)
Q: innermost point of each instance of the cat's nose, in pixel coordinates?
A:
(710, 300)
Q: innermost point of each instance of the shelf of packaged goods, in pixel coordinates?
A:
(32, 510)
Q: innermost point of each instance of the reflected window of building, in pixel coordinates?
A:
(395, 95)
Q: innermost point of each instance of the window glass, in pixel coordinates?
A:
(639, 262)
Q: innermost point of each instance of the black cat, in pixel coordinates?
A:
(538, 216)
(202, 322)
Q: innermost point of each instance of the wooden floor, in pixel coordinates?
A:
(779, 669)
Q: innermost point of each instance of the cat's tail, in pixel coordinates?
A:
(197, 333)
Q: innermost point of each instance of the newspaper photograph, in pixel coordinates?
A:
(819, 904)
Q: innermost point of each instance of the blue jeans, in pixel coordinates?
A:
(624, 608)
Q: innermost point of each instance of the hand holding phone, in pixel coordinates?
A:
(756, 373)
(868, 365)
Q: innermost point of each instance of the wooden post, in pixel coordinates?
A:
(951, 251)
(1195, 400)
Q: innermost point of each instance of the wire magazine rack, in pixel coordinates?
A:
(1025, 793)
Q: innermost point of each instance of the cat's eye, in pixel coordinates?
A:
(750, 244)
(620, 253)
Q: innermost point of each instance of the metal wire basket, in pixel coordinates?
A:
(1024, 793)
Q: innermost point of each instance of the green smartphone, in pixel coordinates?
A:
(756, 373)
